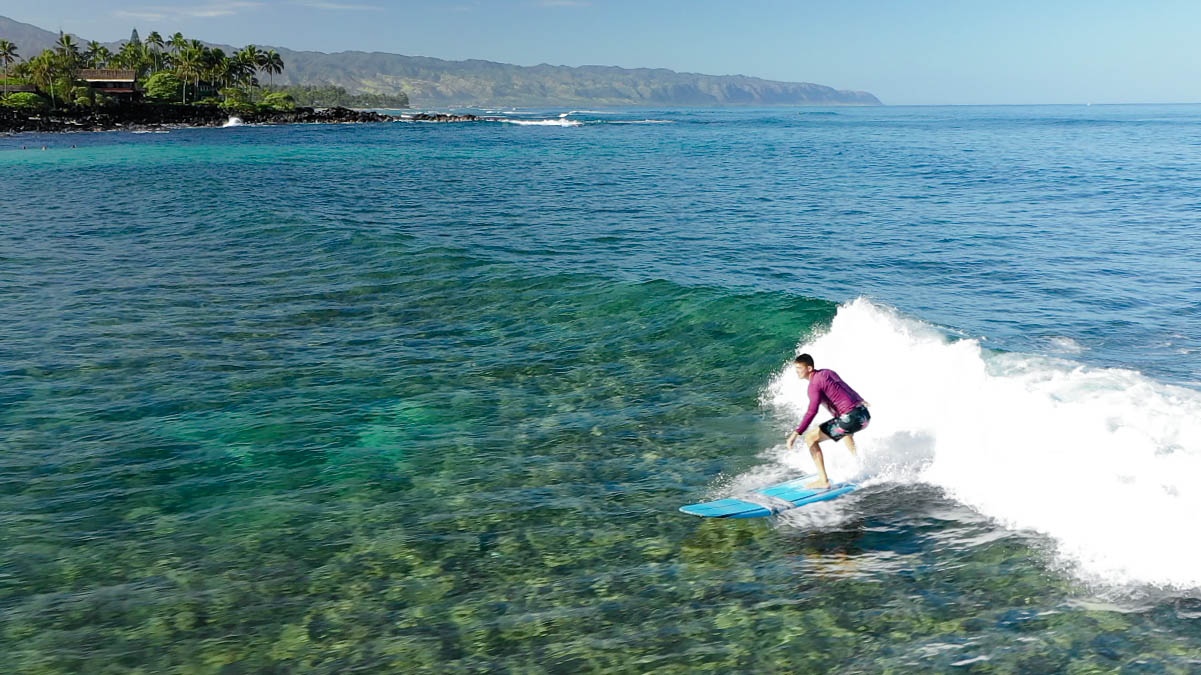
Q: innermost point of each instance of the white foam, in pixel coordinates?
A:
(1064, 345)
(233, 122)
(561, 122)
(1107, 462)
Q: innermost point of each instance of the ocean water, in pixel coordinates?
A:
(426, 398)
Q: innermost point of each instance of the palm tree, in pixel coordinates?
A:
(155, 40)
(242, 68)
(137, 56)
(246, 64)
(220, 70)
(68, 49)
(189, 65)
(177, 43)
(252, 56)
(92, 55)
(273, 63)
(42, 70)
(216, 66)
(8, 54)
(131, 55)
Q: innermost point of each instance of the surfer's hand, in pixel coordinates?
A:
(792, 439)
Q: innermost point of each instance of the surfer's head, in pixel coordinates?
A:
(804, 366)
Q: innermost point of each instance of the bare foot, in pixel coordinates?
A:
(819, 484)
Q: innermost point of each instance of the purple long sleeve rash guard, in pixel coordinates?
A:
(827, 388)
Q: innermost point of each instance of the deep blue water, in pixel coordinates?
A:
(427, 396)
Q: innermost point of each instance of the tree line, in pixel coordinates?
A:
(173, 69)
(328, 95)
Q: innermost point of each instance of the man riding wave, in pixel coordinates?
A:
(849, 410)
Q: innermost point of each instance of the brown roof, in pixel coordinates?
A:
(107, 75)
(17, 88)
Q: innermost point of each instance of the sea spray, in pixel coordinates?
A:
(1104, 461)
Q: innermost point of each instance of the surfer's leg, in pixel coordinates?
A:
(812, 438)
(850, 439)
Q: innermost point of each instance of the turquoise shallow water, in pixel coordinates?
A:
(426, 397)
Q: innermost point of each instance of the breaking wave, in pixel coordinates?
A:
(1105, 461)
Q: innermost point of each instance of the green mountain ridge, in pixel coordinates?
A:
(432, 82)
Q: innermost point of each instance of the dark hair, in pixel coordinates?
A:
(805, 359)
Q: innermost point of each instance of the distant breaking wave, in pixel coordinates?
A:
(563, 121)
(560, 122)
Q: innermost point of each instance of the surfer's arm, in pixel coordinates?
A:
(815, 398)
(792, 436)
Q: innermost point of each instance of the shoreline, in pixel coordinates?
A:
(156, 117)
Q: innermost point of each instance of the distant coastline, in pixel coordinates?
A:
(438, 83)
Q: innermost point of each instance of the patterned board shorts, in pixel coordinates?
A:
(848, 423)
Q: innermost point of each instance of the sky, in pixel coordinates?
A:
(903, 51)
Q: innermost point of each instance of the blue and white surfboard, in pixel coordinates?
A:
(766, 501)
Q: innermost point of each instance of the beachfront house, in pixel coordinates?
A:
(15, 86)
(117, 84)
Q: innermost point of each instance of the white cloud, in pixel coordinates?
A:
(205, 11)
(339, 6)
(221, 9)
(143, 14)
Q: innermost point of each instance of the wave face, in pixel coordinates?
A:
(1103, 460)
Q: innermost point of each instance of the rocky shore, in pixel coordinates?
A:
(165, 116)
